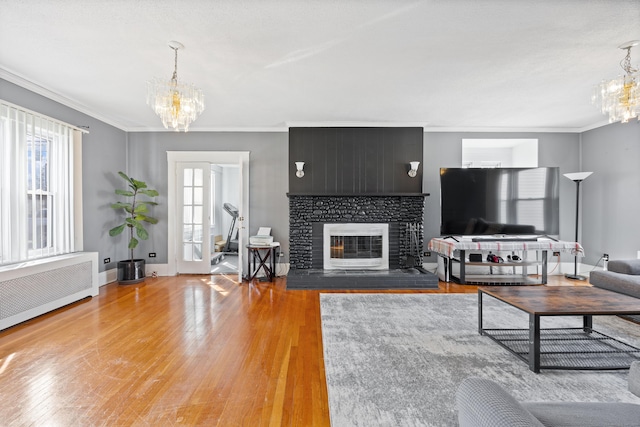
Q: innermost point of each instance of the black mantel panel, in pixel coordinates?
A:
(355, 160)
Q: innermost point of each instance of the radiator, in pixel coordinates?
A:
(33, 288)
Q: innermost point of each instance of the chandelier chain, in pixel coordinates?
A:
(174, 78)
(626, 62)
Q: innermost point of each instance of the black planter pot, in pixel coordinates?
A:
(130, 272)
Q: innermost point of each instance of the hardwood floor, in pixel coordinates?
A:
(186, 350)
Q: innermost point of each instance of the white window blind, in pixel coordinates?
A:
(40, 201)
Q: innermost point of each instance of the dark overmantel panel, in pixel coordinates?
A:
(355, 161)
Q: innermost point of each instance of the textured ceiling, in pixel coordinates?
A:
(442, 64)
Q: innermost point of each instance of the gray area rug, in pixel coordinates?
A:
(397, 359)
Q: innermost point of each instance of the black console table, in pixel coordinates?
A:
(262, 257)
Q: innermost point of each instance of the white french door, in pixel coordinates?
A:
(194, 217)
(177, 160)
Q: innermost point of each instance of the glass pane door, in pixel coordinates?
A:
(194, 248)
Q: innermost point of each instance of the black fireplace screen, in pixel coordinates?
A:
(356, 247)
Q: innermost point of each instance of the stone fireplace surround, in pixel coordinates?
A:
(309, 213)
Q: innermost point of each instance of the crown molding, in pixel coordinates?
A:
(284, 127)
(211, 129)
(603, 123)
(430, 128)
(54, 96)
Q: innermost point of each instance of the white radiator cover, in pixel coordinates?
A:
(33, 288)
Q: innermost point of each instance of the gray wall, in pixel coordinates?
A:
(268, 177)
(103, 155)
(611, 196)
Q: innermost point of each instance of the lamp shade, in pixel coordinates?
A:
(578, 176)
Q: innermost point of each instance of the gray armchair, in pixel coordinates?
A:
(484, 403)
(623, 276)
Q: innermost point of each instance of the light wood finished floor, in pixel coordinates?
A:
(186, 350)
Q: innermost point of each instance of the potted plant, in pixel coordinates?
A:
(135, 215)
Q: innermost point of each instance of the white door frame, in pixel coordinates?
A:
(214, 157)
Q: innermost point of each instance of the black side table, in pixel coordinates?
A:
(262, 256)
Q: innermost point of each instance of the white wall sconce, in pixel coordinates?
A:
(300, 171)
(414, 169)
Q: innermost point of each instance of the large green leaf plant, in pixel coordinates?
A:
(135, 210)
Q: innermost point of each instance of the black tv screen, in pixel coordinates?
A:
(510, 201)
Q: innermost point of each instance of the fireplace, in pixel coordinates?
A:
(356, 246)
(356, 176)
(357, 264)
(309, 214)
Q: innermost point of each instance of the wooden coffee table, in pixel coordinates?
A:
(563, 348)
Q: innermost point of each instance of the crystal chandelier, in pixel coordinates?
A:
(620, 97)
(177, 104)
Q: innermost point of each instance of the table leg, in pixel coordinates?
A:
(447, 268)
(253, 268)
(587, 323)
(462, 272)
(256, 266)
(263, 264)
(275, 253)
(480, 328)
(273, 263)
(534, 343)
(251, 261)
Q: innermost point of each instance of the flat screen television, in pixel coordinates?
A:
(500, 201)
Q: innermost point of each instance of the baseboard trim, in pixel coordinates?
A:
(110, 276)
(157, 270)
(107, 276)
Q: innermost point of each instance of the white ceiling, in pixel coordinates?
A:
(266, 65)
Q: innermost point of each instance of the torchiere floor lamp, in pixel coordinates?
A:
(577, 177)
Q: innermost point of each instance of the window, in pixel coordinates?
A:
(499, 153)
(40, 202)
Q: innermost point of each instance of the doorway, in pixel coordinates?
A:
(191, 238)
(224, 202)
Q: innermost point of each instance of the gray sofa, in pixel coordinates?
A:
(623, 276)
(484, 403)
